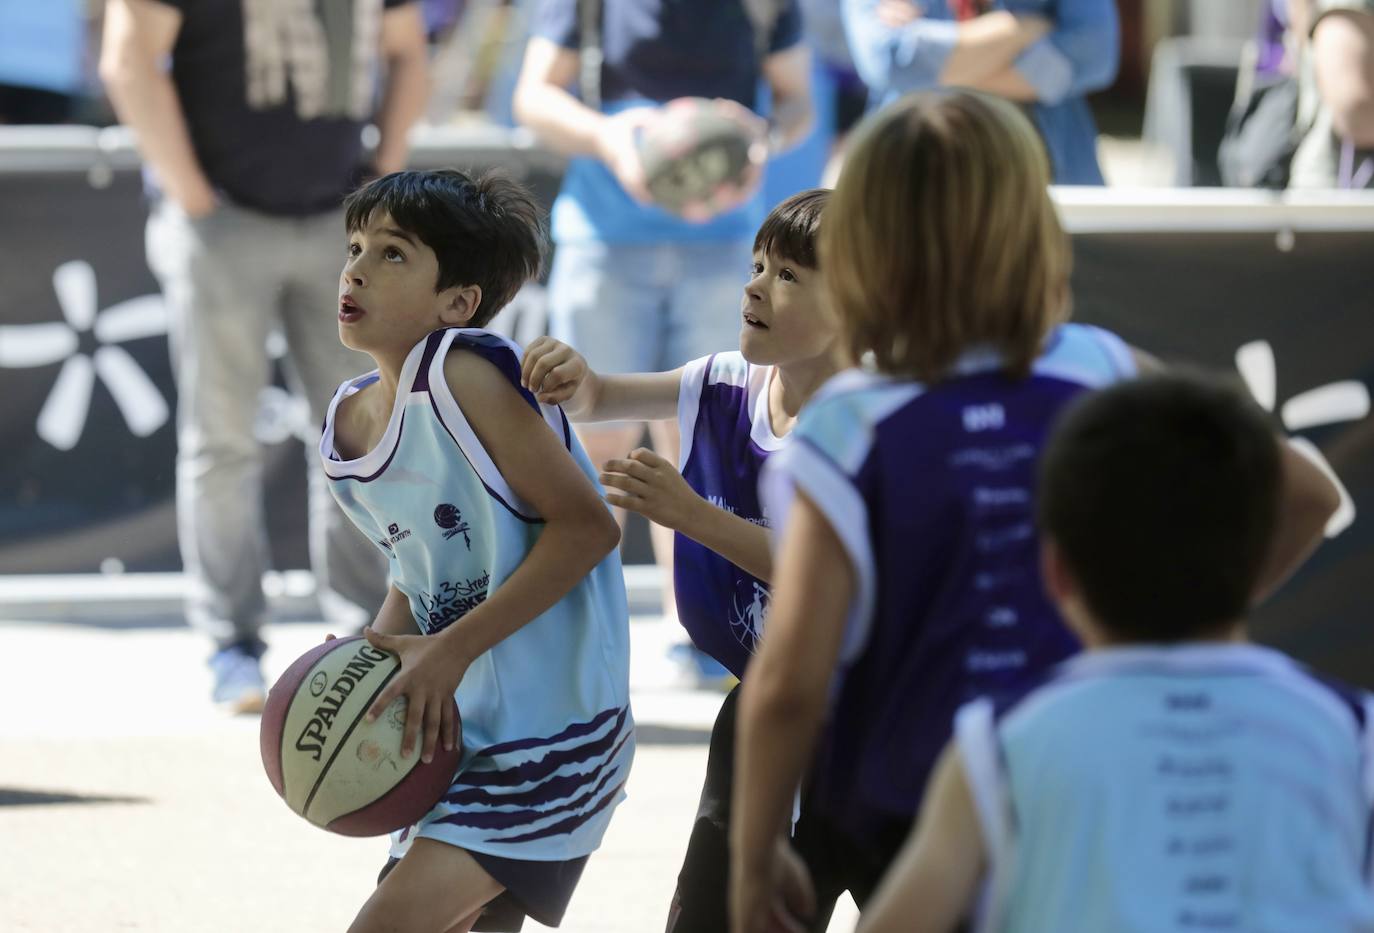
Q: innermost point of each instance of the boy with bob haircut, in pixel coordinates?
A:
(735, 410)
(506, 589)
(1174, 777)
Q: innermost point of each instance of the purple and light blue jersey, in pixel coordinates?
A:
(726, 438)
(548, 737)
(931, 491)
(1174, 788)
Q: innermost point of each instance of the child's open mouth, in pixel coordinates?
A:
(349, 310)
(753, 321)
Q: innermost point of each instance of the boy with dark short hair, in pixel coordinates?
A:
(1175, 776)
(506, 589)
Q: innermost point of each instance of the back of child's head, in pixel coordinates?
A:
(941, 236)
(486, 231)
(1161, 496)
(791, 230)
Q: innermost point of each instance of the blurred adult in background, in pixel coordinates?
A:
(1336, 93)
(249, 116)
(632, 287)
(839, 97)
(42, 59)
(1044, 54)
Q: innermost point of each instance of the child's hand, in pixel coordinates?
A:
(552, 370)
(428, 677)
(775, 897)
(652, 487)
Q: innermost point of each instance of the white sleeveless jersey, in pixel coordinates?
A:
(548, 737)
(1174, 789)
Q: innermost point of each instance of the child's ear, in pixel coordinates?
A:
(1059, 582)
(460, 303)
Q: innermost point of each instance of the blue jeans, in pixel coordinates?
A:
(647, 307)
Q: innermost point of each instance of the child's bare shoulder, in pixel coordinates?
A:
(469, 373)
(354, 422)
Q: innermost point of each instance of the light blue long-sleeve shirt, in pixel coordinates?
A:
(1079, 55)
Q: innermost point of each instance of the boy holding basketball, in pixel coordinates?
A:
(506, 589)
(1173, 777)
(734, 410)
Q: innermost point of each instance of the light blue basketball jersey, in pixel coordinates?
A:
(548, 737)
(1184, 788)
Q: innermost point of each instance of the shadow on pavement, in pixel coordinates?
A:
(13, 797)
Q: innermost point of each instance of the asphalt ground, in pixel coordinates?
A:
(128, 802)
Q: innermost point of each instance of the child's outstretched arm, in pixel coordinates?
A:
(646, 483)
(781, 706)
(578, 533)
(558, 375)
(931, 885)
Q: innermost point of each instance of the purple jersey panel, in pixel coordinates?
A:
(726, 438)
(932, 492)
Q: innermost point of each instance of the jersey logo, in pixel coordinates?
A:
(447, 517)
(991, 417)
(453, 600)
(397, 535)
(746, 621)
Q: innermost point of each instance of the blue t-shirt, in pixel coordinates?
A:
(275, 102)
(726, 438)
(655, 51)
(931, 491)
(41, 45)
(1174, 788)
(1079, 55)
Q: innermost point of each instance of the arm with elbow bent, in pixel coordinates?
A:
(406, 89)
(643, 482)
(138, 37)
(578, 532)
(788, 74)
(1307, 500)
(923, 52)
(543, 103)
(1080, 54)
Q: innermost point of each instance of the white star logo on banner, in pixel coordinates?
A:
(63, 416)
(1332, 403)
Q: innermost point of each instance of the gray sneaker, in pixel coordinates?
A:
(239, 687)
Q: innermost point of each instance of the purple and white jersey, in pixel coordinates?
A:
(726, 437)
(931, 491)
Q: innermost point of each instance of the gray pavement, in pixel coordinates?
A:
(128, 803)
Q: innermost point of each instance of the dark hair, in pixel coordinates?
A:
(791, 230)
(1162, 496)
(487, 231)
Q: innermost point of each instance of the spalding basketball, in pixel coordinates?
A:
(698, 154)
(329, 763)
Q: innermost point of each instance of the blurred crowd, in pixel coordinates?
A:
(1302, 115)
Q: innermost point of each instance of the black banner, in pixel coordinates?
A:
(87, 422)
